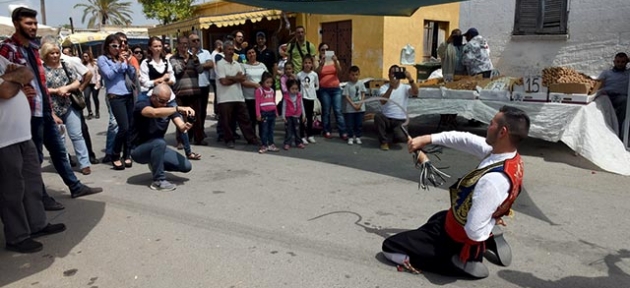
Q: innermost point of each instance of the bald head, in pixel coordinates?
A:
(161, 95)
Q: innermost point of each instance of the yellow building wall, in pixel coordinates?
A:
(400, 31)
(221, 7)
(367, 38)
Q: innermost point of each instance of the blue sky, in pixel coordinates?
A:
(58, 11)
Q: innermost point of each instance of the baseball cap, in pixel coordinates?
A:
(472, 32)
(261, 34)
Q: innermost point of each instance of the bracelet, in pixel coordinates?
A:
(176, 109)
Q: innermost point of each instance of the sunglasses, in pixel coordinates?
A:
(124, 42)
(194, 40)
(162, 101)
(115, 46)
(137, 52)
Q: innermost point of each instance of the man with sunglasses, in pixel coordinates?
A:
(151, 118)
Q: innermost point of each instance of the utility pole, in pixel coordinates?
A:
(42, 8)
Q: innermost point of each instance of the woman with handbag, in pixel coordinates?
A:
(67, 100)
(119, 76)
(329, 92)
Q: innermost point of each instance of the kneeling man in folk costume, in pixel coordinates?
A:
(453, 242)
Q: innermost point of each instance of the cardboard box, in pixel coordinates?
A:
(495, 95)
(555, 97)
(376, 83)
(530, 97)
(570, 88)
(430, 93)
(459, 94)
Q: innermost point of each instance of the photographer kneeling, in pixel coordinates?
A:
(150, 122)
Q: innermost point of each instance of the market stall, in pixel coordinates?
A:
(563, 105)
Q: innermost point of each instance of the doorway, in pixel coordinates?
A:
(338, 36)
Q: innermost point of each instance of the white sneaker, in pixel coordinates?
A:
(162, 185)
(358, 140)
(350, 141)
(304, 141)
(311, 139)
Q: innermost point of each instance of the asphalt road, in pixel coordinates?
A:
(316, 218)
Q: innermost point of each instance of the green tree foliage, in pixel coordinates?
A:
(106, 12)
(167, 11)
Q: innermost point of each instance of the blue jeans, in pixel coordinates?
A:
(292, 131)
(72, 119)
(160, 158)
(183, 137)
(266, 127)
(44, 132)
(354, 122)
(331, 98)
(122, 108)
(112, 130)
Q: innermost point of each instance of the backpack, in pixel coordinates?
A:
(308, 49)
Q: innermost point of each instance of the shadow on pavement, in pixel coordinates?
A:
(145, 179)
(615, 278)
(15, 266)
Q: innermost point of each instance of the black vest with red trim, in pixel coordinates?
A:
(461, 200)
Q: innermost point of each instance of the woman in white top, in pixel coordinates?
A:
(91, 91)
(155, 70)
(253, 70)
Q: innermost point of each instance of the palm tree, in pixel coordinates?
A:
(103, 12)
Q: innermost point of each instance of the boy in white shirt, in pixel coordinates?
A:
(353, 112)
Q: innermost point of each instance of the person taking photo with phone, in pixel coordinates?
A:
(390, 118)
(151, 118)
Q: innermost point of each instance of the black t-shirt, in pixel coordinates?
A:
(144, 128)
(266, 57)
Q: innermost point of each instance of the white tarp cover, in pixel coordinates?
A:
(590, 130)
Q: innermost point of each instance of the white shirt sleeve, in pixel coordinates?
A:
(491, 190)
(463, 141)
(220, 70)
(144, 75)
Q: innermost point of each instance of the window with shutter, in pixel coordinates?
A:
(540, 17)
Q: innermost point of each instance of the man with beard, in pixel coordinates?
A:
(20, 49)
(240, 51)
(454, 241)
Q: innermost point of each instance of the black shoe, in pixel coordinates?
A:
(498, 251)
(85, 190)
(27, 246)
(90, 116)
(50, 204)
(474, 269)
(49, 230)
(237, 137)
(106, 159)
(73, 163)
(97, 116)
(128, 163)
(93, 160)
(118, 167)
(230, 144)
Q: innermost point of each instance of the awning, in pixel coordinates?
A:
(355, 7)
(84, 37)
(204, 22)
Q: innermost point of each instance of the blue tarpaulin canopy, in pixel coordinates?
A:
(355, 7)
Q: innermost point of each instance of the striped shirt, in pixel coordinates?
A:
(187, 75)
